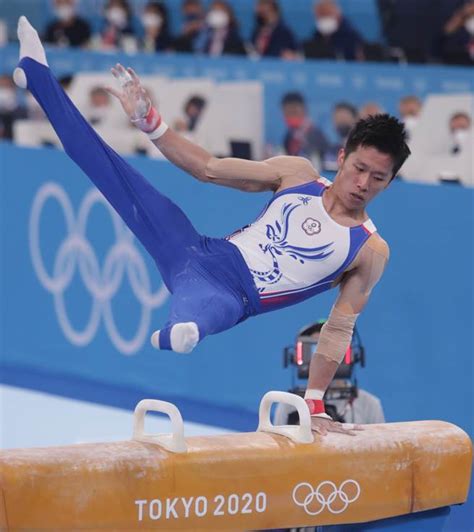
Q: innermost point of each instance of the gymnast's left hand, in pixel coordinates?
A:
(135, 100)
(323, 425)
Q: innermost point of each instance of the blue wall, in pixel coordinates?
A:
(417, 327)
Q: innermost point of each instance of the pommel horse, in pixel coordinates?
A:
(276, 477)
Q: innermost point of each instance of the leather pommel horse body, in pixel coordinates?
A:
(277, 477)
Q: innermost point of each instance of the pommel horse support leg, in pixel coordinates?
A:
(279, 476)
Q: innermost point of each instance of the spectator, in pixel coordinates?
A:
(193, 21)
(457, 42)
(193, 109)
(411, 27)
(67, 28)
(10, 110)
(459, 126)
(334, 37)
(99, 106)
(344, 117)
(155, 23)
(220, 33)
(409, 109)
(370, 109)
(117, 31)
(303, 138)
(271, 36)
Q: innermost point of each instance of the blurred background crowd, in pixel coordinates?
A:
(434, 32)
(414, 31)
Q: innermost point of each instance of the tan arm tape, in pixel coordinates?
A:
(355, 290)
(336, 335)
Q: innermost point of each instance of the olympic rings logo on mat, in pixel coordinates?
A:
(326, 495)
(76, 253)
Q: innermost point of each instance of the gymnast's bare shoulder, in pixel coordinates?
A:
(375, 246)
(373, 256)
(358, 281)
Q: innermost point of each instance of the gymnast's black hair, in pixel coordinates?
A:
(384, 133)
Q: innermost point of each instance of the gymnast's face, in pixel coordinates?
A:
(362, 175)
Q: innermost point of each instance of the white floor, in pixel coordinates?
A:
(33, 419)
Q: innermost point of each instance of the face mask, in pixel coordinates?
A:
(469, 25)
(294, 122)
(65, 12)
(410, 122)
(327, 25)
(343, 130)
(152, 20)
(217, 19)
(117, 17)
(460, 136)
(7, 99)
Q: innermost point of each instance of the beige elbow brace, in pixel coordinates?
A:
(336, 335)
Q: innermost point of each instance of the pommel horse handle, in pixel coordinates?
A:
(173, 442)
(298, 433)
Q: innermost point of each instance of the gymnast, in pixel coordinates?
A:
(312, 235)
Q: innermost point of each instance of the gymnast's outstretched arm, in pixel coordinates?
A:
(273, 174)
(336, 333)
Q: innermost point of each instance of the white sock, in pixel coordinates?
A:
(314, 393)
(30, 46)
(183, 337)
(30, 43)
(155, 339)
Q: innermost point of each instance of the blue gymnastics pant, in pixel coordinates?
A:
(208, 278)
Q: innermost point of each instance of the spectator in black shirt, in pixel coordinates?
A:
(155, 23)
(193, 109)
(303, 138)
(411, 27)
(334, 37)
(220, 34)
(344, 117)
(67, 29)
(271, 36)
(193, 21)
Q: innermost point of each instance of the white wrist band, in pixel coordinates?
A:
(313, 393)
(159, 131)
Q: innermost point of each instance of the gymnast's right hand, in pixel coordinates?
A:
(134, 99)
(323, 425)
